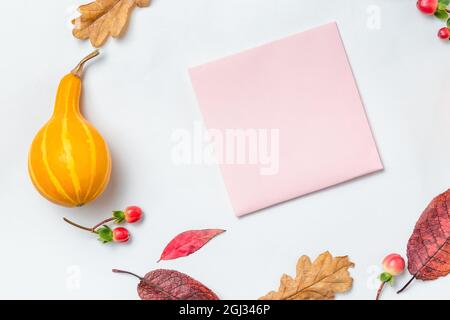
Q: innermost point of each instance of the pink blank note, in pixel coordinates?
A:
(301, 94)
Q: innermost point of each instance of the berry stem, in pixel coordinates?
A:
(79, 226)
(94, 228)
(379, 290)
(127, 272)
(102, 223)
(407, 284)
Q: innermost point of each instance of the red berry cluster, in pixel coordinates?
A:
(105, 234)
(439, 9)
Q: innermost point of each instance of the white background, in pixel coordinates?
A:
(138, 93)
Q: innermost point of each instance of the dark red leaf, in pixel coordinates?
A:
(170, 285)
(429, 245)
(188, 242)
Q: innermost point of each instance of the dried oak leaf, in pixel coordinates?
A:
(319, 280)
(164, 284)
(103, 18)
(188, 242)
(429, 246)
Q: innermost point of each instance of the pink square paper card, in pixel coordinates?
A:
(287, 117)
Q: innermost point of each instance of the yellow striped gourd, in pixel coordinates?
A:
(69, 161)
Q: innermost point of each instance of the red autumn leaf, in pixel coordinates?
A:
(429, 245)
(188, 242)
(170, 285)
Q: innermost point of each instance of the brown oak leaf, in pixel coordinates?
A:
(164, 284)
(103, 18)
(319, 280)
(429, 245)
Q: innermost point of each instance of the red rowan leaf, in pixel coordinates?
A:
(170, 285)
(429, 246)
(188, 242)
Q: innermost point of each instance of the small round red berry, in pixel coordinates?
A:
(394, 264)
(427, 6)
(444, 33)
(121, 235)
(133, 214)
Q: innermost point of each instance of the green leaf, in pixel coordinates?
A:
(444, 2)
(386, 277)
(441, 14)
(120, 216)
(448, 22)
(105, 234)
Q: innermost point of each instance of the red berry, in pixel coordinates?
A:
(394, 264)
(133, 214)
(121, 235)
(427, 6)
(444, 33)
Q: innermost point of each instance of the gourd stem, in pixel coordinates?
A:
(78, 70)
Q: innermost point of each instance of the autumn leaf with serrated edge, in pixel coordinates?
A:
(319, 280)
(428, 247)
(162, 284)
(103, 18)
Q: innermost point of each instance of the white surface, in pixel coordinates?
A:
(138, 93)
